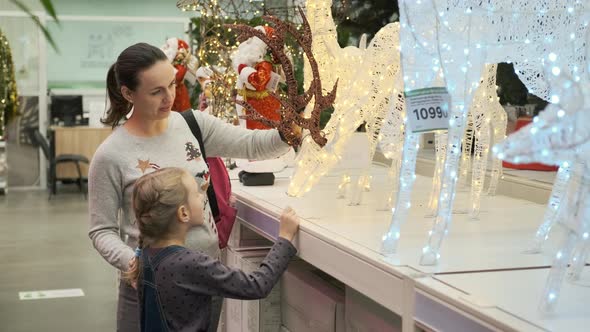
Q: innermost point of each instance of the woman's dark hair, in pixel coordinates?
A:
(125, 72)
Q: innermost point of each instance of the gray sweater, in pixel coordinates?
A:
(122, 158)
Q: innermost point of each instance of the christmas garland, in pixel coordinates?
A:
(8, 93)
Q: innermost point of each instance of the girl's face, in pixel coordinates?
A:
(154, 95)
(195, 200)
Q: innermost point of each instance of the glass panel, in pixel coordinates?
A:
(23, 157)
(24, 42)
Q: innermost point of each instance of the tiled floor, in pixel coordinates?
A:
(44, 245)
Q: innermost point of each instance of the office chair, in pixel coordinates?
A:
(40, 141)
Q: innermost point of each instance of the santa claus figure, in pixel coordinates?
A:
(204, 76)
(178, 52)
(257, 77)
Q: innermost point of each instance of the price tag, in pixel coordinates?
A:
(427, 109)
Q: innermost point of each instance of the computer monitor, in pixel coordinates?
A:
(66, 109)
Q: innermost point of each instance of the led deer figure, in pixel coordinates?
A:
(486, 123)
(391, 141)
(459, 37)
(561, 135)
(366, 78)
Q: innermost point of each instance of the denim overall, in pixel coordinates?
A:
(152, 315)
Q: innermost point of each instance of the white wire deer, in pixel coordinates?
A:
(486, 124)
(366, 77)
(457, 37)
(560, 135)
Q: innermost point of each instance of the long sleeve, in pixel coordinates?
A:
(208, 276)
(104, 201)
(222, 139)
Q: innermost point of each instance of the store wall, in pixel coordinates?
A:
(107, 7)
(87, 49)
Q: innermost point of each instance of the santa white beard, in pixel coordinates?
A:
(249, 53)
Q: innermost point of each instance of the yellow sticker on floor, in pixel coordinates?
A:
(50, 294)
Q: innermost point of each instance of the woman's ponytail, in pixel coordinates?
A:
(119, 106)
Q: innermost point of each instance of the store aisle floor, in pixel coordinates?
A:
(44, 246)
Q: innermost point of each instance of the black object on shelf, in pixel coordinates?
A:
(256, 179)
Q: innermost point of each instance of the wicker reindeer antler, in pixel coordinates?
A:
(294, 103)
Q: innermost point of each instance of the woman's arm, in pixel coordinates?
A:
(104, 202)
(222, 139)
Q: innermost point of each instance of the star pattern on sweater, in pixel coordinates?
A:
(143, 165)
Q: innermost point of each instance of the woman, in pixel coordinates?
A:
(143, 80)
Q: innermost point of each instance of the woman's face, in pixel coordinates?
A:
(154, 95)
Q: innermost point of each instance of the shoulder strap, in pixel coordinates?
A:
(157, 258)
(190, 119)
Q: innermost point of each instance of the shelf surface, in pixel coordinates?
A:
(493, 294)
(349, 239)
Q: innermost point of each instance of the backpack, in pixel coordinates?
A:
(219, 191)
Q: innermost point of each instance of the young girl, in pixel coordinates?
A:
(175, 284)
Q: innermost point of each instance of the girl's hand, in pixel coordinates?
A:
(289, 224)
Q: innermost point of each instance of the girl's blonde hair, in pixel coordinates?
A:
(156, 198)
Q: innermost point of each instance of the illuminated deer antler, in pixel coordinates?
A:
(293, 104)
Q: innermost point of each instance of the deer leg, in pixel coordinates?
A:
(552, 212)
(572, 238)
(499, 122)
(440, 147)
(430, 253)
(343, 186)
(403, 201)
(467, 143)
(480, 164)
(557, 273)
(582, 249)
(392, 184)
(580, 257)
(356, 192)
(363, 184)
(367, 178)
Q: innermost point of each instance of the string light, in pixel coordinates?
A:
(561, 137)
(421, 24)
(487, 115)
(366, 77)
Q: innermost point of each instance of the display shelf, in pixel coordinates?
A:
(345, 240)
(505, 300)
(496, 241)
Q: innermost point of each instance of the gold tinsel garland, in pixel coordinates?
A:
(8, 93)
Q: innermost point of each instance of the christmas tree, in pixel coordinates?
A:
(8, 93)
